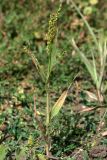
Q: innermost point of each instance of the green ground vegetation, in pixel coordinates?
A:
(53, 79)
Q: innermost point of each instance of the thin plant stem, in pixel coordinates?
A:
(47, 119)
(45, 135)
(47, 105)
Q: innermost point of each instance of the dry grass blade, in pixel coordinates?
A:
(87, 109)
(91, 96)
(59, 103)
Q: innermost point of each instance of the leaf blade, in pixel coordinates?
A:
(58, 105)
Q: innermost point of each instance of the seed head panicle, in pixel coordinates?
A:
(52, 29)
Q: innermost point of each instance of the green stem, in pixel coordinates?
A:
(47, 106)
(47, 120)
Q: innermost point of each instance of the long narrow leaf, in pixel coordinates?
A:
(95, 70)
(104, 58)
(86, 23)
(58, 105)
(87, 63)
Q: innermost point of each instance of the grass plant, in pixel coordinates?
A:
(98, 51)
(51, 112)
(33, 124)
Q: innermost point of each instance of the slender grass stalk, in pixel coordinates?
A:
(47, 118)
(47, 106)
(50, 112)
